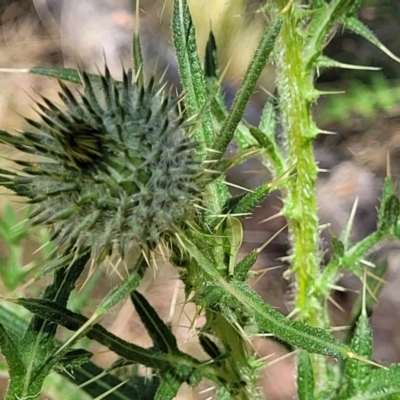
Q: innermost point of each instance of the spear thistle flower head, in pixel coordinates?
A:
(114, 166)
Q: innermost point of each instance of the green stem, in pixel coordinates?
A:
(295, 87)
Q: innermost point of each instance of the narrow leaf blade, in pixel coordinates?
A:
(246, 89)
(191, 72)
(160, 333)
(305, 377)
(10, 351)
(168, 388)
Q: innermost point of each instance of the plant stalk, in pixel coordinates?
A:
(300, 209)
(296, 91)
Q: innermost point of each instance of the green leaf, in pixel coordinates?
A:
(357, 374)
(139, 387)
(266, 137)
(271, 151)
(248, 202)
(73, 321)
(359, 28)
(12, 321)
(191, 72)
(137, 59)
(208, 267)
(356, 252)
(337, 248)
(124, 288)
(75, 358)
(11, 353)
(234, 232)
(326, 62)
(268, 119)
(95, 381)
(242, 97)
(305, 377)
(64, 74)
(37, 343)
(197, 100)
(168, 388)
(65, 280)
(385, 385)
(111, 299)
(243, 267)
(161, 335)
(313, 340)
(322, 21)
(54, 265)
(389, 215)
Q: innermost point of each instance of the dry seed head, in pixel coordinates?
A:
(115, 166)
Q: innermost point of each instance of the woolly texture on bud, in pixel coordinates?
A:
(114, 167)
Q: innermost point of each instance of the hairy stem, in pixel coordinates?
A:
(295, 87)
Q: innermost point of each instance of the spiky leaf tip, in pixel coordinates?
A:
(114, 166)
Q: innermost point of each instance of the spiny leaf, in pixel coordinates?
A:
(353, 255)
(326, 62)
(321, 23)
(243, 267)
(161, 335)
(12, 321)
(247, 203)
(38, 341)
(305, 377)
(234, 232)
(142, 388)
(64, 74)
(313, 340)
(109, 301)
(268, 118)
(385, 385)
(252, 74)
(270, 148)
(95, 381)
(191, 72)
(293, 332)
(73, 321)
(359, 28)
(10, 351)
(75, 358)
(59, 292)
(197, 99)
(358, 374)
(390, 214)
(137, 58)
(337, 248)
(115, 296)
(168, 388)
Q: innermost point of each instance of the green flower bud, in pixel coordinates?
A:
(114, 166)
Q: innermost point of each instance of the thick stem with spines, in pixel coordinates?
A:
(295, 88)
(296, 92)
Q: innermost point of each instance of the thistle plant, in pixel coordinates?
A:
(112, 170)
(123, 165)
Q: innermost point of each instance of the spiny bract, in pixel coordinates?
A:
(115, 168)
